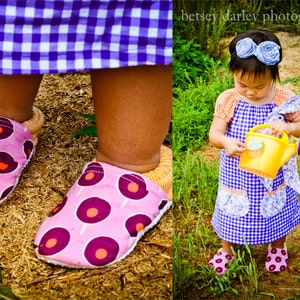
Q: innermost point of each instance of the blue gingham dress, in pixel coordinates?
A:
(245, 210)
(44, 36)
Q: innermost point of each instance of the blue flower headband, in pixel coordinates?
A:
(267, 52)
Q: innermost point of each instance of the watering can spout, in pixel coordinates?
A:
(266, 153)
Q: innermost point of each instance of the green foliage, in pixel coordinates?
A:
(282, 15)
(87, 130)
(193, 110)
(229, 18)
(198, 79)
(189, 62)
(294, 80)
(242, 271)
(197, 45)
(193, 179)
(207, 33)
(90, 130)
(5, 291)
(183, 271)
(222, 284)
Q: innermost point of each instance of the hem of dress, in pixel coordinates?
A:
(267, 242)
(76, 70)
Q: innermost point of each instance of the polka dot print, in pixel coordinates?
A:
(16, 148)
(59, 207)
(6, 128)
(92, 227)
(7, 163)
(7, 192)
(101, 251)
(92, 175)
(27, 148)
(162, 204)
(220, 262)
(137, 223)
(133, 186)
(93, 210)
(54, 241)
(277, 260)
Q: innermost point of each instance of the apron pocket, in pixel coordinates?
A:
(273, 202)
(233, 203)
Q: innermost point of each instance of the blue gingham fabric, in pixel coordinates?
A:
(38, 37)
(245, 210)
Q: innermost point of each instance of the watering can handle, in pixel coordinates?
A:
(260, 126)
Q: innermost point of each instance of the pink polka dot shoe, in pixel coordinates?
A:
(16, 149)
(277, 259)
(101, 219)
(220, 262)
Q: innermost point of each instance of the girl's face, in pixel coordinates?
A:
(257, 90)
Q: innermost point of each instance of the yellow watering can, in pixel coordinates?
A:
(265, 153)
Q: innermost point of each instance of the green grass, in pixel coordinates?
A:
(193, 108)
(5, 291)
(294, 80)
(195, 183)
(198, 80)
(194, 186)
(194, 241)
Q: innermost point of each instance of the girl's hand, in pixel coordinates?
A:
(279, 126)
(234, 148)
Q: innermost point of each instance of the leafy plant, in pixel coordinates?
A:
(189, 62)
(221, 284)
(193, 179)
(193, 109)
(199, 77)
(294, 80)
(90, 130)
(5, 291)
(207, 33)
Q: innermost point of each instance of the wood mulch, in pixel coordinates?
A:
(58, 160)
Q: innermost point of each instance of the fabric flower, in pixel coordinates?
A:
(245, 48)
(268, 53)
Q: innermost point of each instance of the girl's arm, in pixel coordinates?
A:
(217, 137)
(293, 127)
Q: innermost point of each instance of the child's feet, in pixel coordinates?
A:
(101, 219)
(17, 142)
(16, 149)
(220, 262)
(277, 259)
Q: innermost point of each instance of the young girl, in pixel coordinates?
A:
(127, 46)
(248, 207)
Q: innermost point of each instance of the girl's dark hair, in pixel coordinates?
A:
(252, 64)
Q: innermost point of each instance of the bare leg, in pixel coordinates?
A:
(226, 246)
(17, 95)
(279, 243)
(133, 110)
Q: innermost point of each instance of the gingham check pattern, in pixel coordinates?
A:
(38, 37)
(252, 227)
